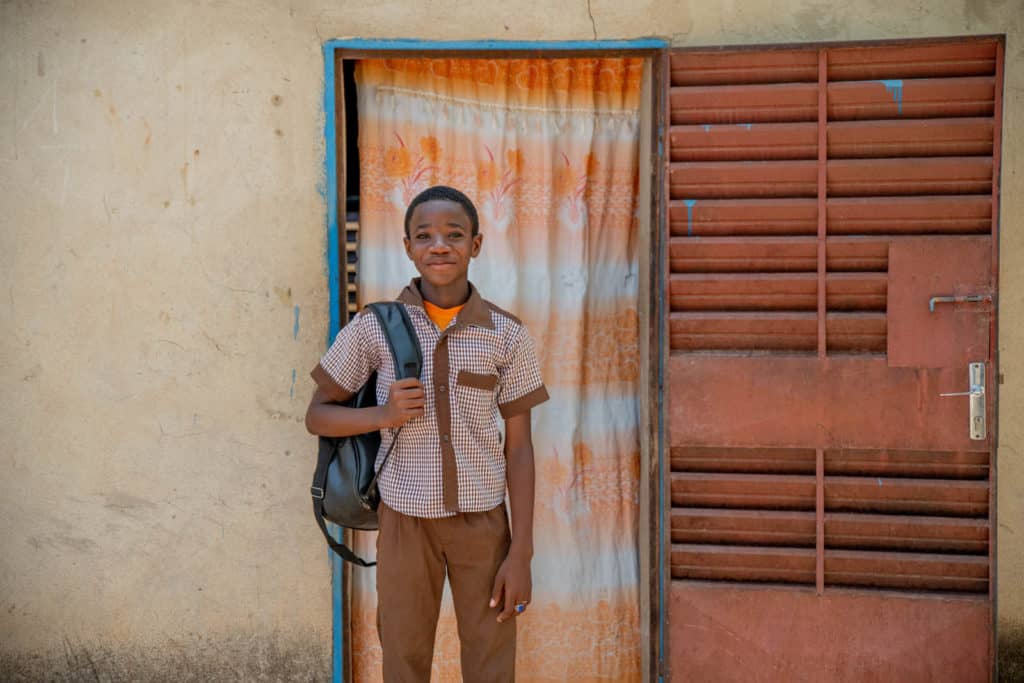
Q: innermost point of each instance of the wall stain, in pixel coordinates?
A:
(125, 502)
(254, 656)
(818, 20)
(284, 295)
(275, 414)
(981, 10)
(1010, 653)
(79, 544)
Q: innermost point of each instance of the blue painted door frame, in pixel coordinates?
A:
(330, 192)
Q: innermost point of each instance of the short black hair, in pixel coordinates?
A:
(448, 194)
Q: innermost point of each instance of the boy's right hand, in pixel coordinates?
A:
(405, 402)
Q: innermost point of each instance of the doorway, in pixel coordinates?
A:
(556, 174)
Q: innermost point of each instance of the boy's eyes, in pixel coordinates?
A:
(451, 236)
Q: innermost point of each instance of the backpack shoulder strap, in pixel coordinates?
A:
(405, 349)
(401, 336)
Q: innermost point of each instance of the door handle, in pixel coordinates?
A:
(976, 379)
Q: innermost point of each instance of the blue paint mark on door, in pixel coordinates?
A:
(291, 392)
(295, 327)
(895, 89)
(689, 215)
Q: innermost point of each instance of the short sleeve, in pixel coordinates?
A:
(351, 359)
(521, 387)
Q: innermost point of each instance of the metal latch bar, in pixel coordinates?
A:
(966, 299)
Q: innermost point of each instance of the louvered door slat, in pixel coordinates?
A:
(930, 571)
(743, 291)
(907, 496)
(918, 61)
(899, 463)
(744, 104)
(909, 176)
(757, 460)
(735, 217)
(901, 532)
(779, 331)
(739, 255)
(771, 141)
(857, 254)
(723, 180)
(744, 67)
(743, 527)
(914, 138)
(743, 563)
(919, 98)
(956, 215)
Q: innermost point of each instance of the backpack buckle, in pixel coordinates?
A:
(316, 492)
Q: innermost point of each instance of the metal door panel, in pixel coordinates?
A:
(831, 518)
(926, 331)
(836, 402)
(760, 635)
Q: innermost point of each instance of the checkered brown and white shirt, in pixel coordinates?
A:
(484, 363)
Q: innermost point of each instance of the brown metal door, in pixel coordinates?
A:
(832, 272)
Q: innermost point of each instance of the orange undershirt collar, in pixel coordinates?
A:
(441, 316)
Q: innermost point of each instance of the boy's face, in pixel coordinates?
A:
(440, 242)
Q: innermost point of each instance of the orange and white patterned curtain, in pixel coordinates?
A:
(548, 150)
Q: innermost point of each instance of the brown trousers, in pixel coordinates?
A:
(413, 555)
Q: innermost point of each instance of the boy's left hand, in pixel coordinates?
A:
(513, 585)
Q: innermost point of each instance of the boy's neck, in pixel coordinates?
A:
(445, 296)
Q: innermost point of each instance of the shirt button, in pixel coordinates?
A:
(445, 437)
(441, 388)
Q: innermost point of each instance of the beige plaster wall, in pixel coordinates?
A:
(161, 225)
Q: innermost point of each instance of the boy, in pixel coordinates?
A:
(443, 490)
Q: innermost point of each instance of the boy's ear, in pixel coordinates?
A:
(477, 241)
(408, 246)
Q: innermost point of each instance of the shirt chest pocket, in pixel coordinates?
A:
(475, 398)
(476, 380)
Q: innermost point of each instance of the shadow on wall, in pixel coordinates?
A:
(1010, 655)
(242, 657)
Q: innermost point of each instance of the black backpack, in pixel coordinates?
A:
(344, 486)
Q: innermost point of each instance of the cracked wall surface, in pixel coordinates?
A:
(163, 296)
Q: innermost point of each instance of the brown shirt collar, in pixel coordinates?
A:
(474, 312)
